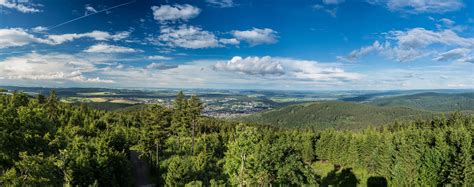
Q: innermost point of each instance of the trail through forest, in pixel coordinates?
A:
(141, 171)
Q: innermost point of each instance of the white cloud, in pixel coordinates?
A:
(230, 41)
(252, 65)
(286, 68)
(89, 10)
(447, 21)
(333, 2)
(420, 6)
(420, 37)
(203, 74)
(356, 54)
(412, 44)
(14, 37)
(187, 37)
(158, 57)
(160, 66)
(22, 6)
(257, 36)
(468, 60)
(426, 77)
(39, 29)
(82, 69)
(96, 35)
(49, 67)
(453, 54)
(107, 48)
(331, 11)
(173, 13)
(221, 3)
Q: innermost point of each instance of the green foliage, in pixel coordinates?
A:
(262, 156)
(337, 115)
(44, 142)
(440, 102)
(430, 153)
(33, 170)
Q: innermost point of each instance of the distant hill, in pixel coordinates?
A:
(338, 115)
(439, 102)
(108, 105)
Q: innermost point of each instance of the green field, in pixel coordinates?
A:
(96, 93)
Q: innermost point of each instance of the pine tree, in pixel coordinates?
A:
(179, 121)
(194, 111)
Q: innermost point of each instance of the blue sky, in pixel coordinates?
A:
(301, 45)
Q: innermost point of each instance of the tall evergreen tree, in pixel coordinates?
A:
(194, 111)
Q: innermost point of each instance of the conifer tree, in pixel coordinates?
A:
(194, 111)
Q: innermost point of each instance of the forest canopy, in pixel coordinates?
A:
(47, 142)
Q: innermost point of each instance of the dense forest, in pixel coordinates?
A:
(431, 101)
(336, 114)
(47, 142)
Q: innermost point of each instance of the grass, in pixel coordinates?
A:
(98, 99)
(96, 93)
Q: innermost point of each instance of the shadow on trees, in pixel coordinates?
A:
(377, 182)
(343, 178)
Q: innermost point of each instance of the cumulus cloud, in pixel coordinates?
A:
(297, 74)
(171, 13)
(221, 3)
(257, 36)
(107, 48)
(187, 37)
(285, 68)
(420, 6)
(22, 6)
(158, 57)
(49, 67)
(252, 65)
(412, 44)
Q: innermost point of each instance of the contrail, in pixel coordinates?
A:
(84, 16)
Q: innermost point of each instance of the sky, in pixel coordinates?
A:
(238, 44)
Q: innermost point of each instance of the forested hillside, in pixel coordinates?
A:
(338, 115)
(44, 142)
(440, 102)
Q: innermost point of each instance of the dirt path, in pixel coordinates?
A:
(141, 170)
